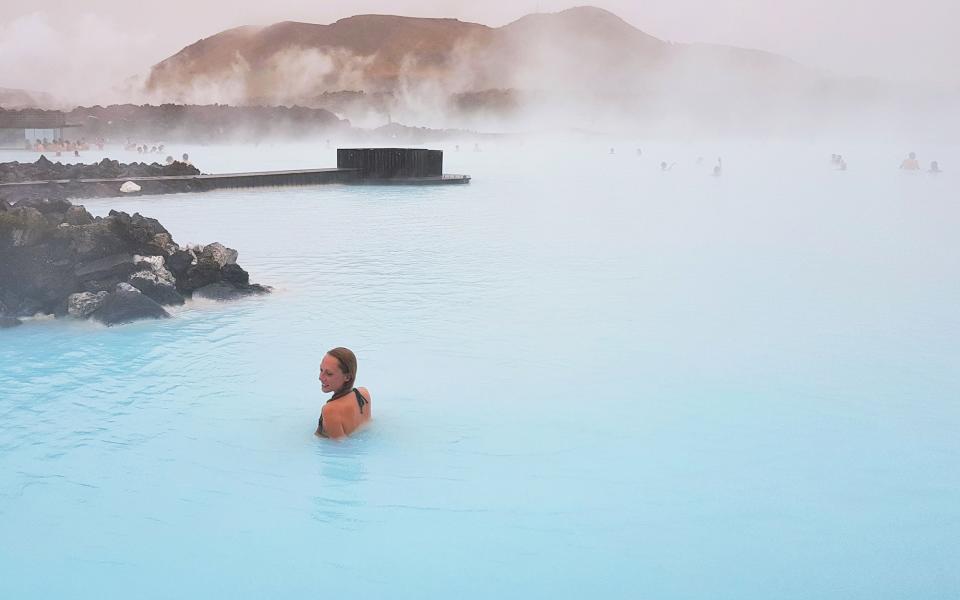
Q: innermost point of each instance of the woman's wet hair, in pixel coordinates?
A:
(348, 365)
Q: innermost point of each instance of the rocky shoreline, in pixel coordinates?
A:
(45, 170)
(67, 178)
(57, 259)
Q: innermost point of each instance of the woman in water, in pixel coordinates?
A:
(349, 408)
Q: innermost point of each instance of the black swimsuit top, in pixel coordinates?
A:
(361, 402)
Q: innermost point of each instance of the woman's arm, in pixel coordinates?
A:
(334, 430)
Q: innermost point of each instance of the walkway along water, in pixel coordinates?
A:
(371, 166)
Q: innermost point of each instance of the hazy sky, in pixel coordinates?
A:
(64, 45)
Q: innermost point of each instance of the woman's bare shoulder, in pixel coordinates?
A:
(366, 393)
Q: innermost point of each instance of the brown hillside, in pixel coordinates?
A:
(385, 44)
(579, 52)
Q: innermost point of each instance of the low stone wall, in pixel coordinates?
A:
(69, 185)
(44, 170)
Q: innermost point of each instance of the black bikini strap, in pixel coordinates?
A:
(360, 399)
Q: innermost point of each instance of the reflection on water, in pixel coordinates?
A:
(588, 376)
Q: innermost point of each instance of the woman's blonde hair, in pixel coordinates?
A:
(348, 365)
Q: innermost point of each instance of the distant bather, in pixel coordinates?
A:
(910, 163)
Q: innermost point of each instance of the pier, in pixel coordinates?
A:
(357, 166)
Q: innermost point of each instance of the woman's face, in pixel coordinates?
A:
(331, 377)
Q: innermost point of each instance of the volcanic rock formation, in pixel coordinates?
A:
(56, 258)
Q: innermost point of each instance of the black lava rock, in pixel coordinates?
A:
(235, 275)
(126, 305)
(51, 250)
(179, 262)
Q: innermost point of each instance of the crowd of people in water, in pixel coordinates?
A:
(59, 146)
(143, 148)
(910, 163)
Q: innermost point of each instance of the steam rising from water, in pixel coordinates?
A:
(590, 72)
(86, 62)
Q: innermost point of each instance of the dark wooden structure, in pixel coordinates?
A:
(391, 163)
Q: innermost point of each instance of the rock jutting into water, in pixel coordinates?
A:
(57, 259)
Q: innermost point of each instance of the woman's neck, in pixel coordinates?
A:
(340, 394)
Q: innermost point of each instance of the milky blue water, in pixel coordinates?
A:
(589, 379)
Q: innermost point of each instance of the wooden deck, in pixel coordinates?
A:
(201, 183)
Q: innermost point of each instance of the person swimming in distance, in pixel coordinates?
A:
(349, 407)
(910, 163)
(718, 168)
(934, 167)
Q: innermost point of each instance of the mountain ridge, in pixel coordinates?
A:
(388, 44)
(576, 63)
